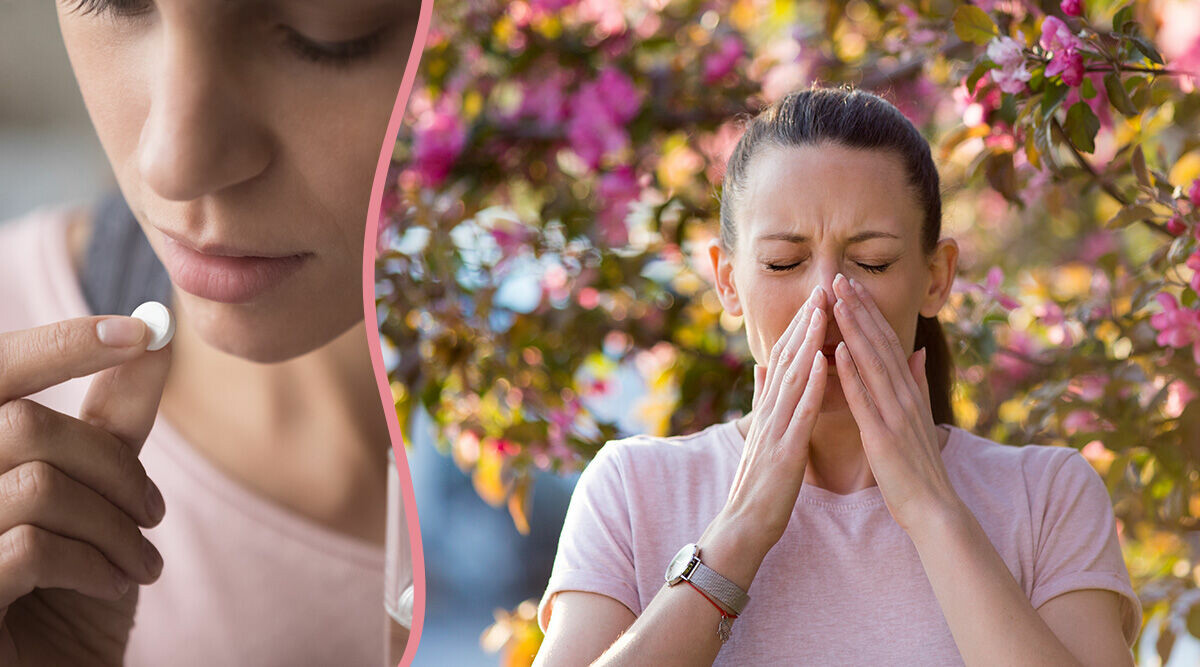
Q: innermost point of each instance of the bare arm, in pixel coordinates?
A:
(678, 627)
(990, 617)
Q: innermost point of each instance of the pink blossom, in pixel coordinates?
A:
(600, 110)
(1056, 36)
(545, 98)
(991, 288)
(549, 5)
(1071, 7)
(1194, 193)
(1007, 53)
(1177, 327)
(616, 190)
(721, 62)
(438, 137)
(1193, 263)
(1175, 226)
(1081, 420)
(1069, 63)
(1179, 394)
(607, 15)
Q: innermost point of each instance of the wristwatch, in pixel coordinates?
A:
(686, 566)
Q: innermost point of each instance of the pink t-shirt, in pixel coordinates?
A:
(245, 581)
(844, 585)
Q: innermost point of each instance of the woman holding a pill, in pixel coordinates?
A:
(219, 501)
(846, 519)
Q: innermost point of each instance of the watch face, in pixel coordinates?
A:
(679, 563)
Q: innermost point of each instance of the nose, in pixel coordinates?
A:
(200, 135)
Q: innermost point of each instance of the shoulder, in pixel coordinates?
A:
(644, 454)
(36, 273)
(1033, 466)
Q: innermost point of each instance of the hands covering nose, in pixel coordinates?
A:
(887, 392)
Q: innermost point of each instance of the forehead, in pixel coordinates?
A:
(827, 188)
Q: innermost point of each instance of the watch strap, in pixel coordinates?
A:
(724, 591)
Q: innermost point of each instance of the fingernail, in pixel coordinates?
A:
(120, 331)
(924, 354)
(120, 581)
(155, 507)
(152, 558)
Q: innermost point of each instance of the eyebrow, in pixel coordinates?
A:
(800, 238)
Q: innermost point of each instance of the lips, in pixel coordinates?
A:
(224, 273)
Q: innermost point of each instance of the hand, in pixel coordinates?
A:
(73, 493)
(787, 400)
(888, 393)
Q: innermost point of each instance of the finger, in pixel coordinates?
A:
(34, 359)
(872, 369)
(920, 375)
(885, 336)
(792, 382)
(804, 419)
(798, 322)
(38, 494)
(760, 374)
(788, 346)
(93, 457)
(124, 400)
(32, 557)
(862, 406)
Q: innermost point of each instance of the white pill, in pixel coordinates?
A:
(159, 320)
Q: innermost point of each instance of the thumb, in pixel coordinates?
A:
(123, 400)
(916, 364)
(760, 377)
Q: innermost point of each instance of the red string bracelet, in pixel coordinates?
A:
(724, 614)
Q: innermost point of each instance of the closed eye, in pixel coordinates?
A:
(873, 268)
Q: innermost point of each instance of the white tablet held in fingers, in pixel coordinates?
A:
(159, 320)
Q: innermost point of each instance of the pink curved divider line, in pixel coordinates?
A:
(372, 327)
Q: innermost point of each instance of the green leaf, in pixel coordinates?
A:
(1001, 174)
(977, 74)
(1188, 298)
(1118, 96)
(1052, 97)
(972, 24)
(1138, 160)
(1082, 126)
(1087, 91)
(1193, 620)
(1129, 215)
(1147, 49)
(1122, 17)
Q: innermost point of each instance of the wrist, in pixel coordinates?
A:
(732, 549)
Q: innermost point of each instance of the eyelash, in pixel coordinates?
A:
(335, 54)
(117, 7)
(869, 267)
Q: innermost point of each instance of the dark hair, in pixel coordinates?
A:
(855, 119)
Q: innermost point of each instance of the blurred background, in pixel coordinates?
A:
(555, 182)
(49, 153)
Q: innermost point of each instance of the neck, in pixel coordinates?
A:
(308, 432)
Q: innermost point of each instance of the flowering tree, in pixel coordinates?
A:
(542, 273)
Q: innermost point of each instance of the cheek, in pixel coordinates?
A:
(116, 97)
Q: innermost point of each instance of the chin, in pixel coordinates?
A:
(266, 334)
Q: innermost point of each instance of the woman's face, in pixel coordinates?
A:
(244, 136)
(808, 213)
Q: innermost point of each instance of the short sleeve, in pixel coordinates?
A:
(1076, 547)
(595, 553)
